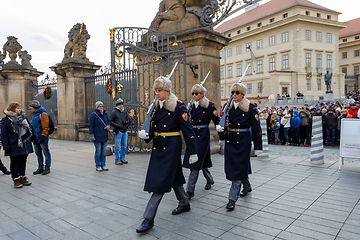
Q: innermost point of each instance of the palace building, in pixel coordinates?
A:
(349, 49)
(294, 42)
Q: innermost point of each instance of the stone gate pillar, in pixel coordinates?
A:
(203, 49)
(16, 78)
(71, 96)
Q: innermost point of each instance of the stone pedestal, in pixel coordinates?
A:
(71, 97)
(16, 86)
(203, 49)
(329, 97)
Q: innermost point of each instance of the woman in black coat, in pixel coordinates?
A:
(16, 135)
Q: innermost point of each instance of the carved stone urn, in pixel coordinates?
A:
(12, 46)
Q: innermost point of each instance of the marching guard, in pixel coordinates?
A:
(243, 127)
(165, 170)
(201, 113)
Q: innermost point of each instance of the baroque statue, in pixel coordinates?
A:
(12, 47)
(327, 79)
(75, 49)
(178, 15)
(25, 58)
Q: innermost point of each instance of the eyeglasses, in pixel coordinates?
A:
(196, 93)
(233, 92)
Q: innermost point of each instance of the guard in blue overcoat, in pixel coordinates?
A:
(201, 113)
(242, 128)
(165, 171)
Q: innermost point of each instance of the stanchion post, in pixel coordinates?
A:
(265, 145)
(317, 148)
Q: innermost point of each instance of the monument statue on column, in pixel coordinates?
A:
(75, 49)
(327, 79)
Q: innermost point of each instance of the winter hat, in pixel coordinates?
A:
(35, 104)
(338, 109)
(198, 88)
(330, 109)
(162, 83)
(239, 87)
(98, 103)
(324, 110)
(295, 112)
(12, 106)
(119, 102)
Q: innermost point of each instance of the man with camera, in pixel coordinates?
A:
(119, 120)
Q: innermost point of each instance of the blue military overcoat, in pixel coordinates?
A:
(201, 116)
(238, 144)
(164, 170)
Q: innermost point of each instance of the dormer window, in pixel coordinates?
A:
(307, 13)
(259, 25)
(318, 15)
(272, 20)
(328, 17)
(239, 31)
(248, 28)
(229, 35)
(285, 15)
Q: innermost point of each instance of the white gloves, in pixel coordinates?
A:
(258, 152)
(221, 143)
(219, 128)
(193, 158)
(143, 134)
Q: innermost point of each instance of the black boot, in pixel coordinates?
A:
(145, 226)
(181, 209)
(246, 188)
(231, 205)
(3, 168)
(38, 171)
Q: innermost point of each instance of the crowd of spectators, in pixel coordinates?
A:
(292, 125)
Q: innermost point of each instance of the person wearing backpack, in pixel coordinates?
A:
(40, 122)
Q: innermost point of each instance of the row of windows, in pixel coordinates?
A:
(356, 38)
(249, 89)
(356, 54)
(285, 64)
(356, 70)
(285, 38)
(271, 20)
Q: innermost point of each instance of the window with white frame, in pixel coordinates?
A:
(285, 37)
(259, 43)
(229, 90)
(229, 52)
(222, 91)
(259, 66)
(356, 53)
(285, 61)
(249, 88)
(318, 36)
(229, 71)
(318, 60)
(356, 70)
(329, 37)
(238, 70)
(221, 72)
(271, 40)
(248, 47)
(249, 68)
(272, 64)
(221, 54)
(318, 83)
(308, 84)
(308, 60)
(260, 88)
(329, 61)
(344, 55)
(238, 49)
(308, 34)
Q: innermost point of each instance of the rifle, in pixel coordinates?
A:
(192, 100)
(226, 108)
(150, 113)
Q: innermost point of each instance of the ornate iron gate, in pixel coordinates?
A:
(138, 57)
(49, 102)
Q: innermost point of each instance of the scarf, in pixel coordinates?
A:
(121, 110)
(21, 127)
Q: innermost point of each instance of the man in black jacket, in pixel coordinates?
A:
(330, 122)
(119, 120)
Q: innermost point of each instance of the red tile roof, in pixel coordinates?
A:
(352, 28)
(264, 10)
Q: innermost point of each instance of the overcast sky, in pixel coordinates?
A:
(42, 26)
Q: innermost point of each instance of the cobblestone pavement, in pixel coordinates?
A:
(291, 199)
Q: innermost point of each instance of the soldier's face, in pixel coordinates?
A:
(237, 97)
(161, 94)
(197, 96)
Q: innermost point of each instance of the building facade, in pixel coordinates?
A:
(294, 44)
(349, 49)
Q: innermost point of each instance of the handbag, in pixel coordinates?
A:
(110, 134)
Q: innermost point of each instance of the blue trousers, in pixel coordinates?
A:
(39, 150)
(120, 145)
(100, 154)
(330, 136)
